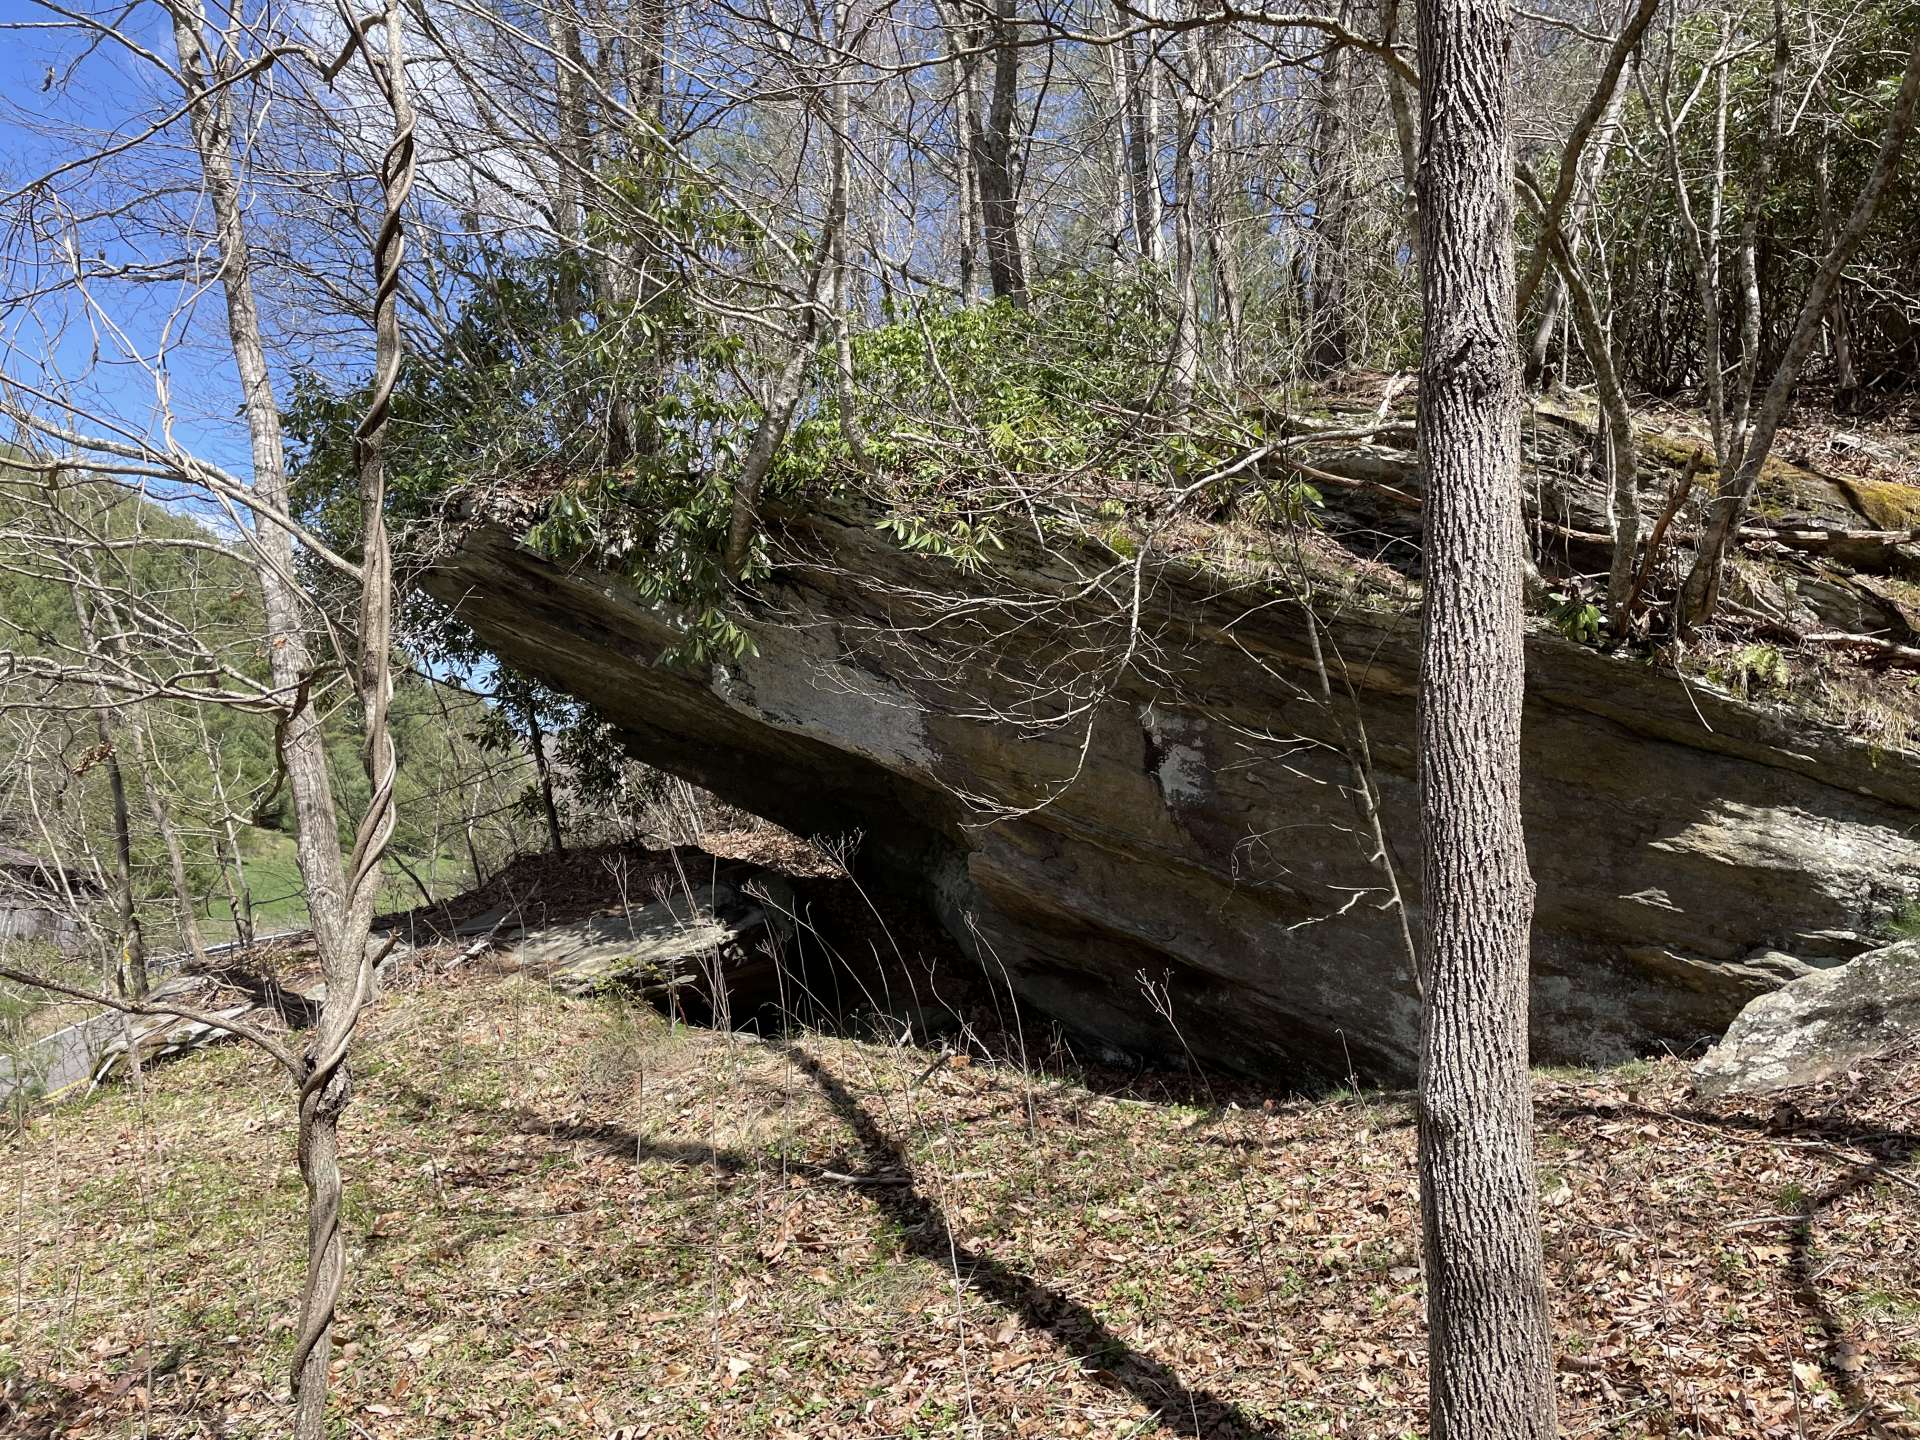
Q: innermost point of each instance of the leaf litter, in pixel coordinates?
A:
(571, 1218)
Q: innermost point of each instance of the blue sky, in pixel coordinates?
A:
(95, 97)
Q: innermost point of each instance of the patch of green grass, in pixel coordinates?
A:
(279, 897)
(1618, 1072)
(1886, 1303)
(1905, 922)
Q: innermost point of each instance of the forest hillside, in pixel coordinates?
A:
(960, 718)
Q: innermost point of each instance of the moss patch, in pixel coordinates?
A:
(1888, 505)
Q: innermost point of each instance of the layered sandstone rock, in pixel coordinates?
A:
(1108, 778)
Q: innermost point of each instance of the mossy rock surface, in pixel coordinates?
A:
(1788, 492)
(1886, 503)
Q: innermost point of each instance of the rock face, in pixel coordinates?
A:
(675, 948)
(1107, 777)
(1819, 1025)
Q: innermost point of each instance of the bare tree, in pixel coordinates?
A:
(341, 893)
(1751, 443)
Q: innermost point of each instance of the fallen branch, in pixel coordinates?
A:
(1343, 482)
(1827, 537)
(1907, 657)
(1862, 549)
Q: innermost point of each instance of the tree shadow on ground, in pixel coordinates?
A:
(929, 1235)
(1883, 1151)
(879, 1170)
(1836, 1361)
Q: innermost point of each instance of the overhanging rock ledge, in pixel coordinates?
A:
(1096, 794)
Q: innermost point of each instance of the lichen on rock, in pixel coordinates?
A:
(1819, 1025)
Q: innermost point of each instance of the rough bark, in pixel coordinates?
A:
(573, 145)
(1489, 1345)
(995, 164)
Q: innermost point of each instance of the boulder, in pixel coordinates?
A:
(1819, 1026)
(1107, 777)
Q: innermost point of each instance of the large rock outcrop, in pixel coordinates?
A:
(1105, 776)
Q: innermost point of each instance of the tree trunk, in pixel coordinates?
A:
(1489, 1345)
(130, 973)
(995, 162)
(130, 966)
(1217, 214)
(785, 388)
(839, 202)
(556, 841)
(1747, 255)
(966, 118)
(1404, 140)
(1184, 370)
(1839, 345)
(1329, 321)
(469, 794)
(1574, 231)
(340, 909)
(316, 826)
(1119, 166)
(573, 147)
(232, 863)
(143, 744)
(348, 968)
(1143, 150)
(319, 1149)
(1616, 428)
(146, 754)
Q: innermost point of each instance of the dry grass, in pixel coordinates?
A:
(567, 1219)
